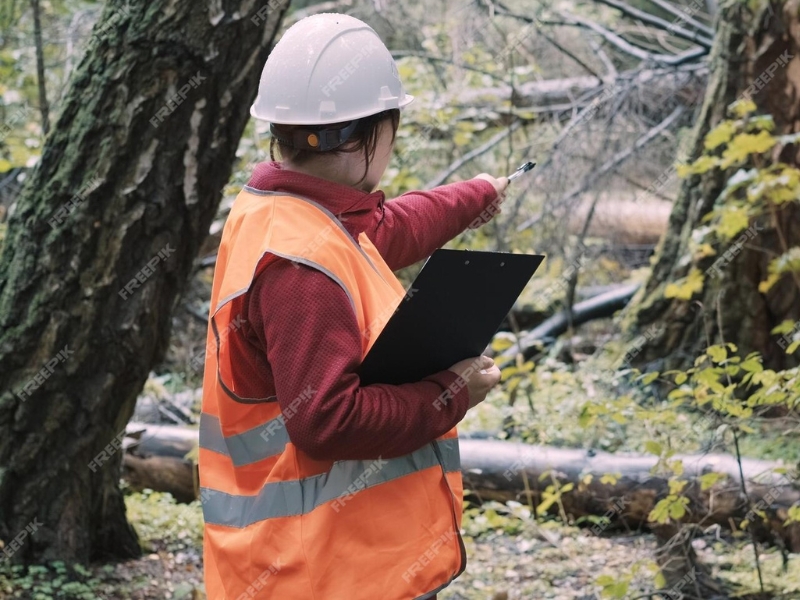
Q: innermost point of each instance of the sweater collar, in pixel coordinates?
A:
(354, 208)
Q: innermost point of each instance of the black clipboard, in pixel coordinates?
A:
(450, 312)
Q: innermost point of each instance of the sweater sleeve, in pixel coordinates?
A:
(417, 223)
(306, 323)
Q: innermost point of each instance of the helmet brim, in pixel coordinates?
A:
(407, 99)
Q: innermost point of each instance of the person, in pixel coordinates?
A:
(312, 485)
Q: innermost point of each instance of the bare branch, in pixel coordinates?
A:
(44, 107)
(684, 16)
(567, 52)
(473, 154)
(650, 19)
(611, 70)
(442, 59)
(622, 44)
(613, 162)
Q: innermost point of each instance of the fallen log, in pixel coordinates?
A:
(502, 471)
(162, 474)
(604, 305)
(543, 95)
(156, 459)
(620, 487)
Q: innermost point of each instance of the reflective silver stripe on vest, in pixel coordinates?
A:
(248, 447)
(345, 479)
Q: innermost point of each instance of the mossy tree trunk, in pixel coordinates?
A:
(100, 245)
(730, 308)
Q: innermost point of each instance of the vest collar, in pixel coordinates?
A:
(354, 208)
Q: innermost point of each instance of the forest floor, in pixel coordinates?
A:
(511, 557)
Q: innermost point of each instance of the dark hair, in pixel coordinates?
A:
(364, 137)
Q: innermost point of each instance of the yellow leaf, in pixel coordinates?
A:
(785, 326)
(687, 287)
(701, 165)
(501, 343)
(720, 135)
(732, 220)
(610, 478)
(704, 250)
(742, 107)
(745, 144)
(767, 284)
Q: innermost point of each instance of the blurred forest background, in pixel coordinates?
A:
(644, 441)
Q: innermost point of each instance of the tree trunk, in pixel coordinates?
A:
(99, 247)
(730, 308)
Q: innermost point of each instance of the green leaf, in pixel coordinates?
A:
(650, 377)
(678, 508)
(793, 515)
(785, 327)
(708, 480)
(660, 512)
(718, 353)
(545, 505)
(653, 447)
(659, 580)
(605, 580)
(752, 365)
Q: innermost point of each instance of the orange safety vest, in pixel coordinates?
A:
(279, 524)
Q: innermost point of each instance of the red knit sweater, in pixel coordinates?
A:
(301, 330)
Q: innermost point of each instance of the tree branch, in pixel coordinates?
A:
(623, 45)
(683, 16)
(473, 154)
(658, 22)
(442, 59)
(44, 108)
(612, 163)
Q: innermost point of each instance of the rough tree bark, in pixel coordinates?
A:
(100, 244)
(747, 43)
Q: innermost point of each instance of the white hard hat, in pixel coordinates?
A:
(328, 68)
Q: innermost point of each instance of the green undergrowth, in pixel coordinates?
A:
(170, 535)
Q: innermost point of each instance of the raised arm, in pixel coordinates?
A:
(417, 223)
(307, 324)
